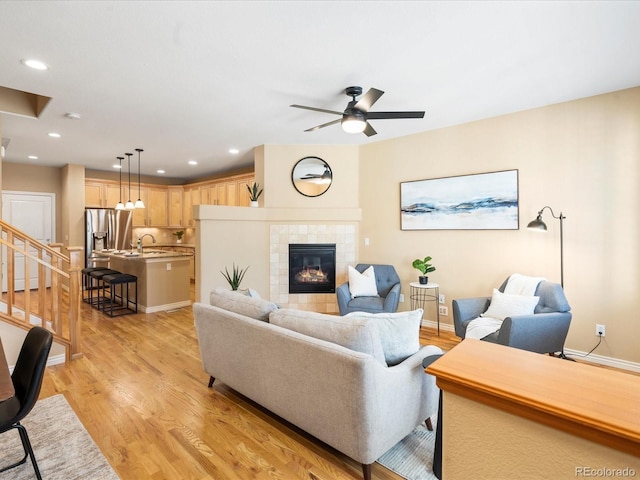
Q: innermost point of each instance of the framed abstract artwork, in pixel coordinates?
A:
(482, 201)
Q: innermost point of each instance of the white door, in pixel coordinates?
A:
(33, 214)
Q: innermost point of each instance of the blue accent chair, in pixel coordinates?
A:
(545, 331)
(388, 285)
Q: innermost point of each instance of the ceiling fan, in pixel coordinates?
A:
(355, 118)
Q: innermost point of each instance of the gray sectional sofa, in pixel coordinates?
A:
(341, 379)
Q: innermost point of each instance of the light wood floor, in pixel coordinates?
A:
(142, 394)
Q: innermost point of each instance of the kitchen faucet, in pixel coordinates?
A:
(140, 241)
(152, 237)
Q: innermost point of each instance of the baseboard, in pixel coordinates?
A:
(165, 307)
(433, 324)
(56, 360)
(601, 360)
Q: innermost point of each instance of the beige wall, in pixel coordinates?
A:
(29, 178)
(578, 157)
(274, 164)
(225, 235)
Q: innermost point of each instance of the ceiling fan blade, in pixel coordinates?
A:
(383, 115)
(368, 99)
(317, 127)
(369, 130)
(316, 109)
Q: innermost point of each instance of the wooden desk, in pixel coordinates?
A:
(6, 385)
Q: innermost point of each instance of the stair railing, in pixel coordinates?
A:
(41, 286)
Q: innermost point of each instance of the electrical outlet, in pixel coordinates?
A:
(168, 266)
(402, 298)
(444, 311)
(441, 298)
(600, 330)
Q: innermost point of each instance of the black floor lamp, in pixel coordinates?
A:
(539, 225)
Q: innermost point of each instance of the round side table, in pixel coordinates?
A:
(422, 293)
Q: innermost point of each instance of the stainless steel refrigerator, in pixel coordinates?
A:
(106, 229)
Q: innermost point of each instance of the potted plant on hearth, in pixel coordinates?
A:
(235, 277)
(424, 267)
(254, 193)
(179, 235)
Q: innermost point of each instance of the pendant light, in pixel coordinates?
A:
(139, 202)
(120, 205)
(129, 205)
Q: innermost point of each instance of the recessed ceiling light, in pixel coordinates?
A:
(234, 151)
(35, 64)
(72, 116)
(192, 162)
(160, 171)
(32, 157)
(54, 135)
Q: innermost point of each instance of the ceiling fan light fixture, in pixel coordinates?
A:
(354, 122)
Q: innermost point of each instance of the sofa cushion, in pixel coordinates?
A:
(505, 305)
(236, 302)
(359, 334)
(362, 284)
(399, 332)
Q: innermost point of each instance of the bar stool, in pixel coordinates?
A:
(119, 301)
(87, 283)
(96, 276)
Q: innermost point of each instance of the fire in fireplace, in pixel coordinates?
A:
(312, 268)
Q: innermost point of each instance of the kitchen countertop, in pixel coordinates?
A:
(146, 255)
(153, 245)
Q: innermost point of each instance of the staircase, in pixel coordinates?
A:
(41, 286)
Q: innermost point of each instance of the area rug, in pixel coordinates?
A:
(412, 457)
(64, 449)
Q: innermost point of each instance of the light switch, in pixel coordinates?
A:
(168, 266)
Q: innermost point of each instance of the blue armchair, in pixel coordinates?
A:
(388, 286)
(543, 332)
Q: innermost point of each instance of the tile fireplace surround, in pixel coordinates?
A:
(281, 235)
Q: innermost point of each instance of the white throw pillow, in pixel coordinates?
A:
(504, 305)
(399, 332)
(362, 284)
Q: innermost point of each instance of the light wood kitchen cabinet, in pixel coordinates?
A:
(103, 194)
(169, 206)
(139, 218)
(175, 206)
(158, 207)
(187, 210)
(155, 212)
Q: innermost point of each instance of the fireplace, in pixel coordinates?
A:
(312, 268)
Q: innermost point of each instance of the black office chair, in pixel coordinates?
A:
(27, 380)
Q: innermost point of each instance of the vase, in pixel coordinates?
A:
(179, 240)
(423, 279)
(254, 203)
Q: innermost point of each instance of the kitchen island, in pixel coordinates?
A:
(163, 277)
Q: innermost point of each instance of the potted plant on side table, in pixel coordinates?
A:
(424, 267)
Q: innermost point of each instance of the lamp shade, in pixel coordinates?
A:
(354, 121)
(537, 224)
(119, 206)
